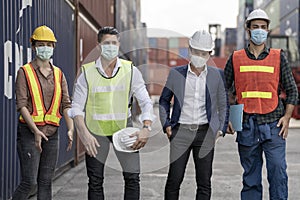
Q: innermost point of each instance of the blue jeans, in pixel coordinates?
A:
(36, 168)
(265, 139)
(130, 163)
(201, 143)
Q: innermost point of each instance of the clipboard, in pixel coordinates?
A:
(236, 116)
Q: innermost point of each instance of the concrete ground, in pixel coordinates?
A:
(226, 180)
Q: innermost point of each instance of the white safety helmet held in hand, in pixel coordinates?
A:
(257, 14)
(122, 140)
(202, 40)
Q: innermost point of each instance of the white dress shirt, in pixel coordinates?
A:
(193, 110)
(138, 89)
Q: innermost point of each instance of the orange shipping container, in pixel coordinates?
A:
(162, 54)
(162, 43)
(184, 42)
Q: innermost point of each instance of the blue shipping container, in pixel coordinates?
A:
(18, 20)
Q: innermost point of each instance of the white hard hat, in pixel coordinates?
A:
(258, 14)
(122, 141)
(202, 40)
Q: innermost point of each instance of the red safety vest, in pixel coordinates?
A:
(39, 114)
(256, 81)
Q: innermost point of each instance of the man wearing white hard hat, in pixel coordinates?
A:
(255, 76)
(199, 116)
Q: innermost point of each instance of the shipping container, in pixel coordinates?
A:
(102, 12)
(183, 52)
(173, 42)
(289, 26)
(128, 19)
(18, 19)
(152, 42)
(273, 11)
(217, 62)
(152, 53)
(228, 50)
(230, 36)
(162, 54)
(183, 42)
(173, 53)
(162, 43)
(178, 62)
(287, 7)
(242, 38)
(261, 3)
(157, 76)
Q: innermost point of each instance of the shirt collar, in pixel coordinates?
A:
(266, 49)
(99, 66)
(204, 71)
(35, 66)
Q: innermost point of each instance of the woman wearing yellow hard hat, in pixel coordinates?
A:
(41, 98)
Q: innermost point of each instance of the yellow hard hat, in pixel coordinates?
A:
(43, 33)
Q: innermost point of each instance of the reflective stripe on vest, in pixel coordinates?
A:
(106, 109)
(39, 114)
(256, 81)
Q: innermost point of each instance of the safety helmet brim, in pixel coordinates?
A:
(43, 33)
(117, 139)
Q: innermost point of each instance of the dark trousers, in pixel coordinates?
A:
(36, 168)
(201, 143)
(130, 163)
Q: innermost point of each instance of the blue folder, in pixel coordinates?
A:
(236, 116)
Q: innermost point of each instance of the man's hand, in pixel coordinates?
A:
(169, 131)
(230, 129)
(284, 122)
(90, 143)
(142, 138)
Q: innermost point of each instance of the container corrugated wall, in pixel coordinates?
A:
(18, 19)
(100, 11)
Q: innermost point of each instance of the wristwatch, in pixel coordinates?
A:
(220, 133)
(147, 127)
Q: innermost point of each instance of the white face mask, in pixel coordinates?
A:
(198, 61)
(109, 51)
(44, 52)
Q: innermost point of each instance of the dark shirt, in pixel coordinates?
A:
(286, 82)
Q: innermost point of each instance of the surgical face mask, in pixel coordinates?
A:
(258, 36)
(198, 61)
(109, 51)
(44, 52)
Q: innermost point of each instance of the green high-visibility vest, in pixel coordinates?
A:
(106, 108)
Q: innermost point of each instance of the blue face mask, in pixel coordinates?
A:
(258, 36)
(109, 51)
(44, 52)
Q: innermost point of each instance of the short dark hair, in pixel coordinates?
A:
(248, 23)
(107, 30)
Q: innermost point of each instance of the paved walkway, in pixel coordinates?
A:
(226, 180)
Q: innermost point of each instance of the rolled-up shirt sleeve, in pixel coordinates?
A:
(138, 89)
(79, 97)
(65, 101)
(21, 90)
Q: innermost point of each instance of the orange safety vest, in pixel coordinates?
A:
(256, 81)
(39, 114)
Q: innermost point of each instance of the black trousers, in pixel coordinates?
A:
(130, 163)
(184, 140)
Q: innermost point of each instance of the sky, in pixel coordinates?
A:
(187, 16)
